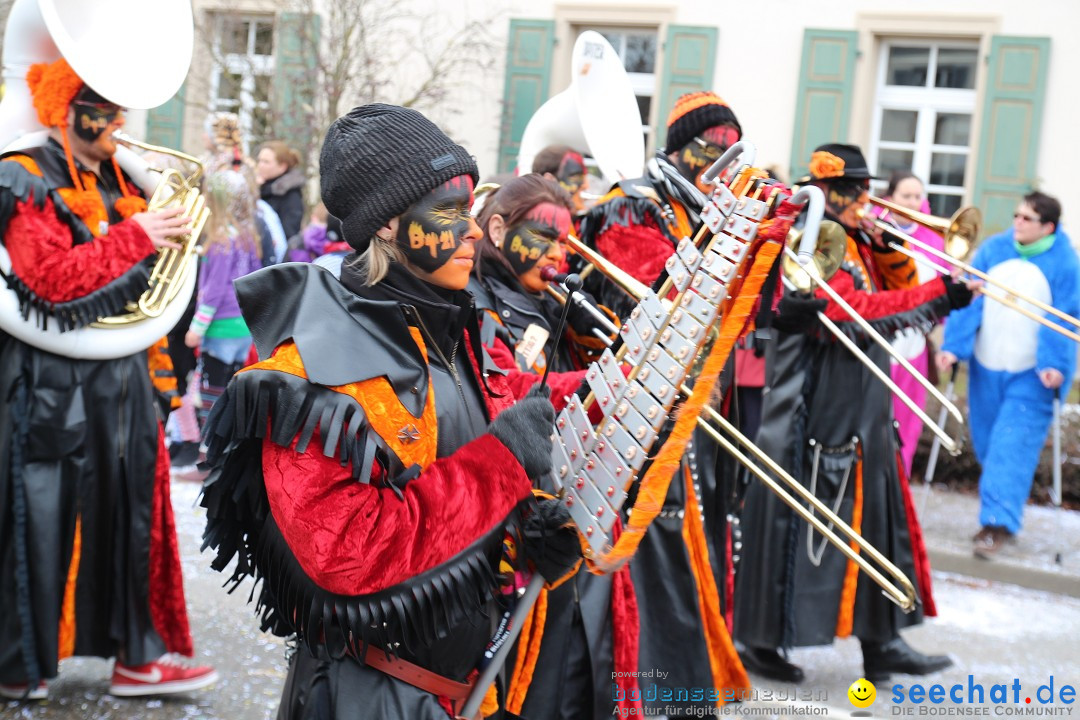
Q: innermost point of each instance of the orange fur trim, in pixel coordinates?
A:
(529, 643)
(67, 611)
(27, 163)
(87, 204)
(385, 413)
(846, 619)
(490, 704)
(129, 205)
(653, 488)
(693, 101)
(727, 669)
(53, 86)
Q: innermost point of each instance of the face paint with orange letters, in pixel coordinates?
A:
(430, 231)
(92, 119)
(529, 240)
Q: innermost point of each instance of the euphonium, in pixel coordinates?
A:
(173, 267)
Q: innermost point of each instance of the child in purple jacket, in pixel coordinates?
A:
(231, 251)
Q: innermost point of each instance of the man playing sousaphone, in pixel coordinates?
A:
(88, 552)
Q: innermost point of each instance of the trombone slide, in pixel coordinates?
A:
(601, 319)
(900, 234)
(877, 337)
(992, 295)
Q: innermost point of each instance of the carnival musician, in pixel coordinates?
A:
(88, 551)
(829, 423)
(379, 489)
(640, 221)
(637, 226)
(525, 223)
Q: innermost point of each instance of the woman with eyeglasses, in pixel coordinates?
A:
(1016, 366)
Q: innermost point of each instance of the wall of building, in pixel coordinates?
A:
(757, 63)
(759, 52)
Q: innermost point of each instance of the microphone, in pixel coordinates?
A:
(573, 284)
(550, 272)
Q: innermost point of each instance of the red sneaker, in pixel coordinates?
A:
(170, 673)
(18, 692)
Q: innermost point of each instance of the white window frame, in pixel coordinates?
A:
(927, 101)
(247, 65)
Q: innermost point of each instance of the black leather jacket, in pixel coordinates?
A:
(347, 333)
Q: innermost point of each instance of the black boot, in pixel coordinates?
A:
(768, 662)
(880, 660)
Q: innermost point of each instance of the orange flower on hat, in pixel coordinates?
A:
(826, 165)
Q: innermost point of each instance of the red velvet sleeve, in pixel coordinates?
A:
(43, 257)
(880, 305)
(562, 384)
(353, 539)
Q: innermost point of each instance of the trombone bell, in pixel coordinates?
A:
(959, 231)
(829, 252)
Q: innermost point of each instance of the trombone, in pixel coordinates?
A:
(901, 592)
(816, 272)
(827, 258)
(964, 227)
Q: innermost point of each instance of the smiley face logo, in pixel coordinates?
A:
(862, 693)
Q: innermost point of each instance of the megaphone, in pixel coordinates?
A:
(597, 114)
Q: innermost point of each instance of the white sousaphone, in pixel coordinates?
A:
(117, 48)
(598, 114)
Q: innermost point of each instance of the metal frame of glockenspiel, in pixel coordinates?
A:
(594, 467)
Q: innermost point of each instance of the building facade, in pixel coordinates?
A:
(971, 95)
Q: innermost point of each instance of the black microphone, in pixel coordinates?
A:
(572, 282)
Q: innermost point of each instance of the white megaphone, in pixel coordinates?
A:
(598, 114)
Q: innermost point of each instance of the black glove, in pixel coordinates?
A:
(960, 295)
(550, 539)
(797, 313)
(580, 319)
(525, 429)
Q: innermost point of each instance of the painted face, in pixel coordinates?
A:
(844, 198)
(437, 234)
(93, 119)
(536, 242)
(696, 156)
(571, 175)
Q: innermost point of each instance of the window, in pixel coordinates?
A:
(637, 50)
(923, 116)
(244, 48)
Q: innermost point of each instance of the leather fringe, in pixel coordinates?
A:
(411, 614)
(23, 186)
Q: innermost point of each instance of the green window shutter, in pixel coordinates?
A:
(1011, 120)
(165, 123)
(689, 59)
(528, 75)
(823, 107)
(295, 78)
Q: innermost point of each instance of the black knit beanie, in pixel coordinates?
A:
(693, 114)
(378, 160)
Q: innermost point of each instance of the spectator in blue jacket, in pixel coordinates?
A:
(1016, 365)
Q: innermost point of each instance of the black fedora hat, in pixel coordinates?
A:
(837, 161)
